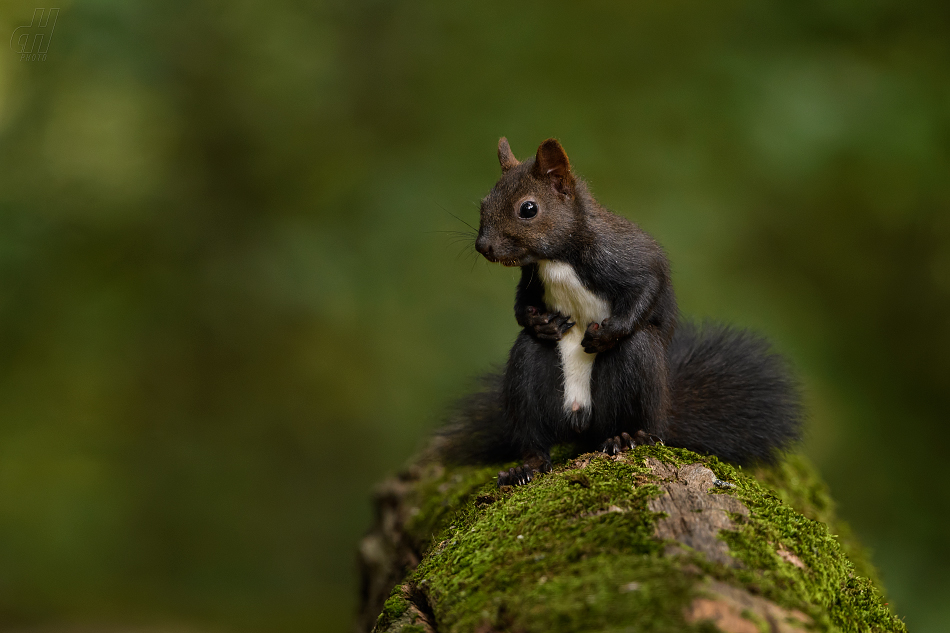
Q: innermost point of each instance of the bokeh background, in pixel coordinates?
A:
(228, 304)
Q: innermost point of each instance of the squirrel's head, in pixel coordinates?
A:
(532, 211)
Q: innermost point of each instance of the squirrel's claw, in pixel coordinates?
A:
(520, 475)
(515, 476)
(613, 445)
(625, 441)
(548, 326)
(599, 337)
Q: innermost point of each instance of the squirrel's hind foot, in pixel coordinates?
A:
(625, 441)
(515, 476)
(520, 475)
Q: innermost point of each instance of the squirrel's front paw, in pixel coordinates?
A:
(547, 326)
(599, 337)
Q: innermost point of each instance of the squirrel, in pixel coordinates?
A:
(602, 360)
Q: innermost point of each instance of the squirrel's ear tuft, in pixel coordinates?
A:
(551, 162)
(505, 156)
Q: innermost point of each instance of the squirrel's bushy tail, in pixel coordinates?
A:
(477, 431)
(732, 396)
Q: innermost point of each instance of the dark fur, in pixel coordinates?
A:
(711, 389)
(732, 397)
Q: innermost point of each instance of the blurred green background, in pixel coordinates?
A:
(227, 307)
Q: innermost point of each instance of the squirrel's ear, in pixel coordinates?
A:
(551, 162)
(505, 156)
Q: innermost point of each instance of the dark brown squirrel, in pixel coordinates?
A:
(601, 360)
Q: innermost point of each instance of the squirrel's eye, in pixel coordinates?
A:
(528, 209)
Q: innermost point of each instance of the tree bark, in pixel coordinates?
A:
(654, 539)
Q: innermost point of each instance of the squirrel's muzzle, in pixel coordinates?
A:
(483, 246)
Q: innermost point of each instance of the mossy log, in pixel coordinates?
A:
(654, 539)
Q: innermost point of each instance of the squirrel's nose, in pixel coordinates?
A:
(482, 246)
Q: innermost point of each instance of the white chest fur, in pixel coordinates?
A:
(565, 293)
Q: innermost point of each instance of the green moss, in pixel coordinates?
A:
(795, 481)
(394, 608)
(574, 550)
(824, 589)
(398, 616)
(439, 495)
(829, 588)
(567, 548)
(759, 622)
